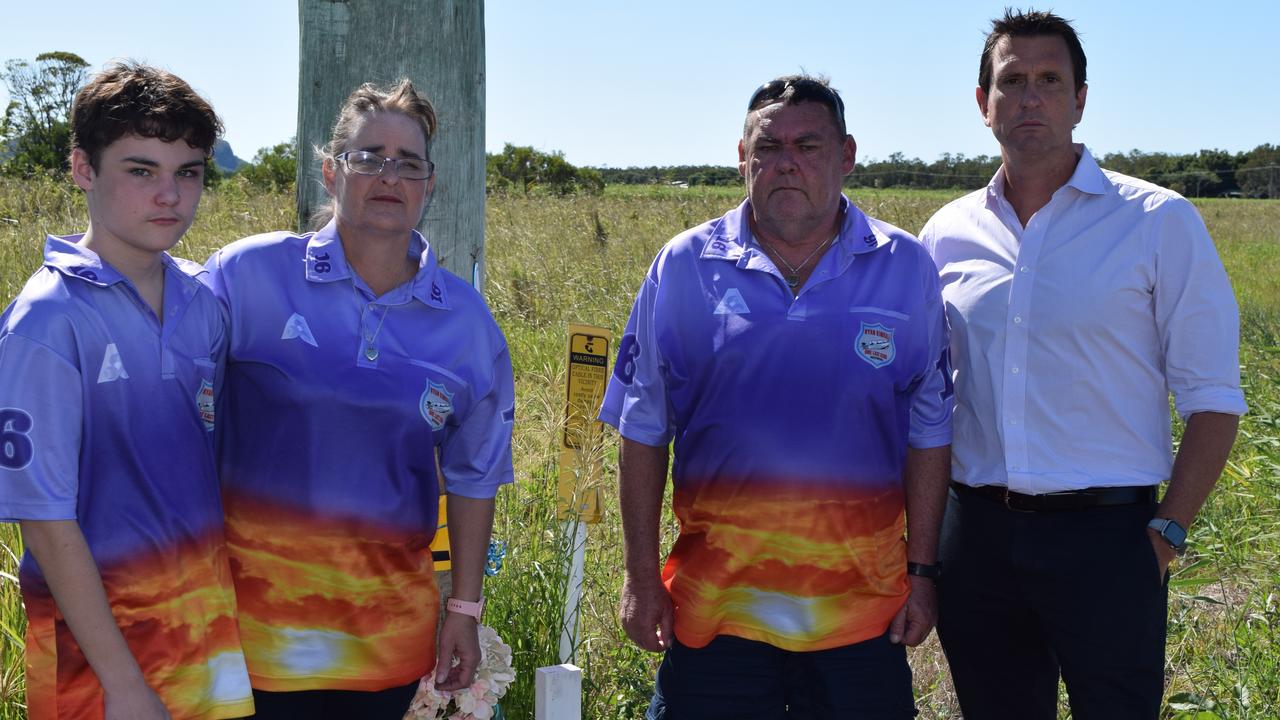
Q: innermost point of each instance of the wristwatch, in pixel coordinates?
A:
(933, 572)
(474, 609)
(1172, 532)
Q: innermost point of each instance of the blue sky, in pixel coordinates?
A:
(665, 82)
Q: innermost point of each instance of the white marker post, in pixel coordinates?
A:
(576, 532)
(580, 463)
(558, 693)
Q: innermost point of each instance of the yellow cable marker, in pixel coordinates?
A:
(440, 543)
(581, 461)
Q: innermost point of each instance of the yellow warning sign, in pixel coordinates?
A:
(581, 461)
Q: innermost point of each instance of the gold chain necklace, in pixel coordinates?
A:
(793, 279)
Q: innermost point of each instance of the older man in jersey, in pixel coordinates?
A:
(1080, 298)
(795, 351)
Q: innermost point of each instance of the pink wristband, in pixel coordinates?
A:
(463, 607)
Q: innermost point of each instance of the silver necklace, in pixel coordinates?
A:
(793, 279)
(370, 348)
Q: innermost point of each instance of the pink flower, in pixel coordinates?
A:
(476, 702)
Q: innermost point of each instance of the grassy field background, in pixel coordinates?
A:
(581, 259)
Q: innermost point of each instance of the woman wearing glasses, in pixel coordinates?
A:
(355, 359)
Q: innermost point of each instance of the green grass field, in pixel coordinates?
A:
(581, 259)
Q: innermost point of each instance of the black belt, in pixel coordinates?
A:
(1069, 500)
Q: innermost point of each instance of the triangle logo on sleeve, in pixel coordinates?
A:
(112, 366)
(732, 304)
(297, 329)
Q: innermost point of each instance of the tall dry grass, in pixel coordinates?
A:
(581, 259)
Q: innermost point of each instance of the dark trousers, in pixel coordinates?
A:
(389, 704)
(1026, 596)
(736, 679)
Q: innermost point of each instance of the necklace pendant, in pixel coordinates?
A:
(370, 353)
(793, 281)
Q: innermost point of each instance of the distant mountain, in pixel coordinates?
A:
(224, 158)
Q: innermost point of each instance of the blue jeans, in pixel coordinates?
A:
(737, 679)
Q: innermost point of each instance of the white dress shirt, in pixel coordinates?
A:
(1068, 335)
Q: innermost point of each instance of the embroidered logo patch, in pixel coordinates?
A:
(875, 344)
(205, 404)
(297, 328)
(732, 304)
(436, 405)
(112, 366)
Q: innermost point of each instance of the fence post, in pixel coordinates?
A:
(558, 691)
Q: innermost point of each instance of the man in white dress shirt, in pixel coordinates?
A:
(1079, 299)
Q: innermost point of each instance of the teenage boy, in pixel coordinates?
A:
(109, 368)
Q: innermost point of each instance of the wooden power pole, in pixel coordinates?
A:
(439, 45)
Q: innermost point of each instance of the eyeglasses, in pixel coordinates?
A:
(804, 91)
(367, 163)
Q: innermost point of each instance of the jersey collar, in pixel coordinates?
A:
(427, 286)
(731, 238)
(67, 256)
(73, 260)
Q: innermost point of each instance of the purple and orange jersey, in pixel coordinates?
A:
(107, 417)
(336, 403)
(791, 418)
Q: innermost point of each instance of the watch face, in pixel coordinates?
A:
(1174, 533)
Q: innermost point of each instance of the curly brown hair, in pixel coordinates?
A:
(129, 98)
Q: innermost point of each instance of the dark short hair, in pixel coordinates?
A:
(796, 89)
(1031, 23)
(129, 98)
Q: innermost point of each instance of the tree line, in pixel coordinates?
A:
(35, 137)
(1207, 173)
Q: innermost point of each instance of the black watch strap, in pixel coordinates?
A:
(933, 572)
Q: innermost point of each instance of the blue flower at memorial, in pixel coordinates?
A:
(493, 562)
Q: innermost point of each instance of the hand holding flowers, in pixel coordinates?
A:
(478, 701)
